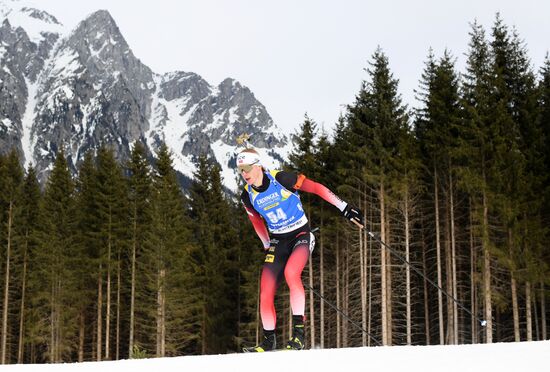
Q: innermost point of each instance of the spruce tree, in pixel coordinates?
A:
(436, 128)
(140, 223)
(303, 161)
(375, 125)
(11, 175)
(53, 279)
(213, 260)
(475, 139)
(28, 227)
(86, 239)
(112, 222)
(171, 244)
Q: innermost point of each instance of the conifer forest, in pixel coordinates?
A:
(118, 261)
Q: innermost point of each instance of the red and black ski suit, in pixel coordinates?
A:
(286, 253)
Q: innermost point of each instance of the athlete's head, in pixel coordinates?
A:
(248, 163)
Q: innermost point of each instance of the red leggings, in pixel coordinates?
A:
(287, 256)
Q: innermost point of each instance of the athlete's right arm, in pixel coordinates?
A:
(256, 219)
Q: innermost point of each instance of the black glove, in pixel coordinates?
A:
(353, 214)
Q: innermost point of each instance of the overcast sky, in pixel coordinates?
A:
(301, 56)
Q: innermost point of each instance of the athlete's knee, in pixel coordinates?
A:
(293, 274)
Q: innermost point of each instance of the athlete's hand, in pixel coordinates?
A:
(354, 215)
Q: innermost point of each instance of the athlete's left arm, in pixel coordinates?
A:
(307, 185)
(292, 181)
(351, 213)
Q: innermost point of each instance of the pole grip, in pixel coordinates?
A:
(358, 224)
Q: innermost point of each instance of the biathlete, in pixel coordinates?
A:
(271, 198)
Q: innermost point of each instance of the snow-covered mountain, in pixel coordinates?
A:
(81, 88)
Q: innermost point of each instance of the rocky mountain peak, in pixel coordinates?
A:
(40, 15)
(82, 89)
(98, 40)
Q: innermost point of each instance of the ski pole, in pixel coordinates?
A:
(482, 322)
(343, 314)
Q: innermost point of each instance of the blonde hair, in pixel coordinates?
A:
(251, 150)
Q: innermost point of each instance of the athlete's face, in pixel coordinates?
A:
(254, 176)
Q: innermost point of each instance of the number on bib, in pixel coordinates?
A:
(276, 216)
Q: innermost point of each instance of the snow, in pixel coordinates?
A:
(7, 124)
(503, 357)
(27, 141)
(65, 64)
(62, 66)
(12, 10)
(233, 114)
(95, 53)
(167, 121)
(223, 153)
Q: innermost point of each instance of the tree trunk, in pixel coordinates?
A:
(81, 334)
(203, 329)
(473, 287)
(536, 311)
(513, 285)
(389, 286)
(453, 258)
(543, 310)
(5, 305)
(369, 275)
(99, 314)
(362, 267)
(108, 309)
(160, 314)
(119, 281)
(425, 282)
(448, 278)
(345, 325)
(487, 273)
(439, 273)
(52, 318)
(132, 290)
(23, 298)
(528, 313)
(383, 269)
(408, 270)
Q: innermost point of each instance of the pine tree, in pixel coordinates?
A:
(86, 233)
(112, 221)
(224, 266)
(303, 160)
(213, 260)
(516, 150)
(140, 223)
(171, 241)
(375, 125)
(28, 227)
(436, 127)
(200, 256)
(11, 175)
(54, 292)
(475, 143)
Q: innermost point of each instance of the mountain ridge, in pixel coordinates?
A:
(85, 87)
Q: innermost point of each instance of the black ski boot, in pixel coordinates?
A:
(269, 343)
(297, 341)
